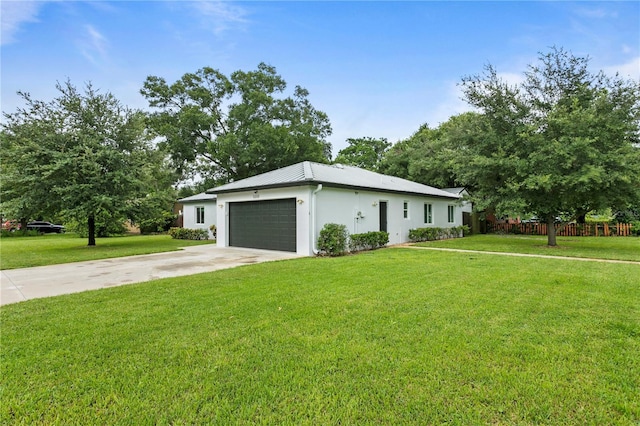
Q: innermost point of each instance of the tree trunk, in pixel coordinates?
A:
(91, 224)
(551, 231)
(581, 216)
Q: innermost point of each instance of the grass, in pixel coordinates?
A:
(620, 248)
(51, 249)
(396, 336)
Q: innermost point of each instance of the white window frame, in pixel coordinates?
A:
(405, 209)
(200, 215)
(428, 213)
(451, 213)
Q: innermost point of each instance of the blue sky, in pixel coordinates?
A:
(378, 69)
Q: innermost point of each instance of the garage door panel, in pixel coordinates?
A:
(269, 224)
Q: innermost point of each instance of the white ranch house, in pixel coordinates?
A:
(285, 209)
(199, 211)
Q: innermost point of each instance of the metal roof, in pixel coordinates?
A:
(336, 175)
(203, 196)
(458, 190)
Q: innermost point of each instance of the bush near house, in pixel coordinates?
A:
(189, 234)
(368, 240)
(333, 239)
(431, 234)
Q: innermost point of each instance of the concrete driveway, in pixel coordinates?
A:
(17, 285)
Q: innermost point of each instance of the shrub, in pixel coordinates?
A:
(460, 231)
(333, 239)
(161, 223)
(423, 234)
(628, 216)
(189, 234)
(635, 228)
(431, 234)
(4, 233)
(368, 240)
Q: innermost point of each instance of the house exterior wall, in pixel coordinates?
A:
(342, 206)
(315, 208)
(467, 207)
(189, 215)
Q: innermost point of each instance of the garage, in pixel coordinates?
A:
(269, 224)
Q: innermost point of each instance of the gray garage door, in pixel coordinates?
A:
(269, 225)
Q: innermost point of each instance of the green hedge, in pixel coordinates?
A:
(189, 234)
(5, 234)
(333, 239)
(368, 240)
(431, 234)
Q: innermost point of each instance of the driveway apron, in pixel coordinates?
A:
(17, 285)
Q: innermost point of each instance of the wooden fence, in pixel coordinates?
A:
(568, 230)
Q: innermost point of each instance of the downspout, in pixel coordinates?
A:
(313, 218)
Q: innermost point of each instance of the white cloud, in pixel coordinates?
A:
(595, 13)
(220, 15)
(94, 46)
(629, 69)
(14, 15)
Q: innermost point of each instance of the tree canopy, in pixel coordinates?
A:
(366, 153)
(230, 128)
(561, 143)
(80, 156)
(430, 155)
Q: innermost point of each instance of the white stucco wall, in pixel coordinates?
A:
(342, 206)
(189, 215)
(334, 205)
(467, 207)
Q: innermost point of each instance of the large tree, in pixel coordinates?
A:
(366, 153)
(79, 156)
(430, 155)
(229, 128)
(561, 143)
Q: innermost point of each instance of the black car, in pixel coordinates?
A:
(45, 227)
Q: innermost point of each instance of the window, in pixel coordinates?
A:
(451, 214)
(199, 215)
(405, 210)
(428, 213)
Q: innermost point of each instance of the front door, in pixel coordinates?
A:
(383, 216)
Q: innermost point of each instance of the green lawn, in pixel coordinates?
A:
(621, 248)
(396, 336)
(51, 249)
